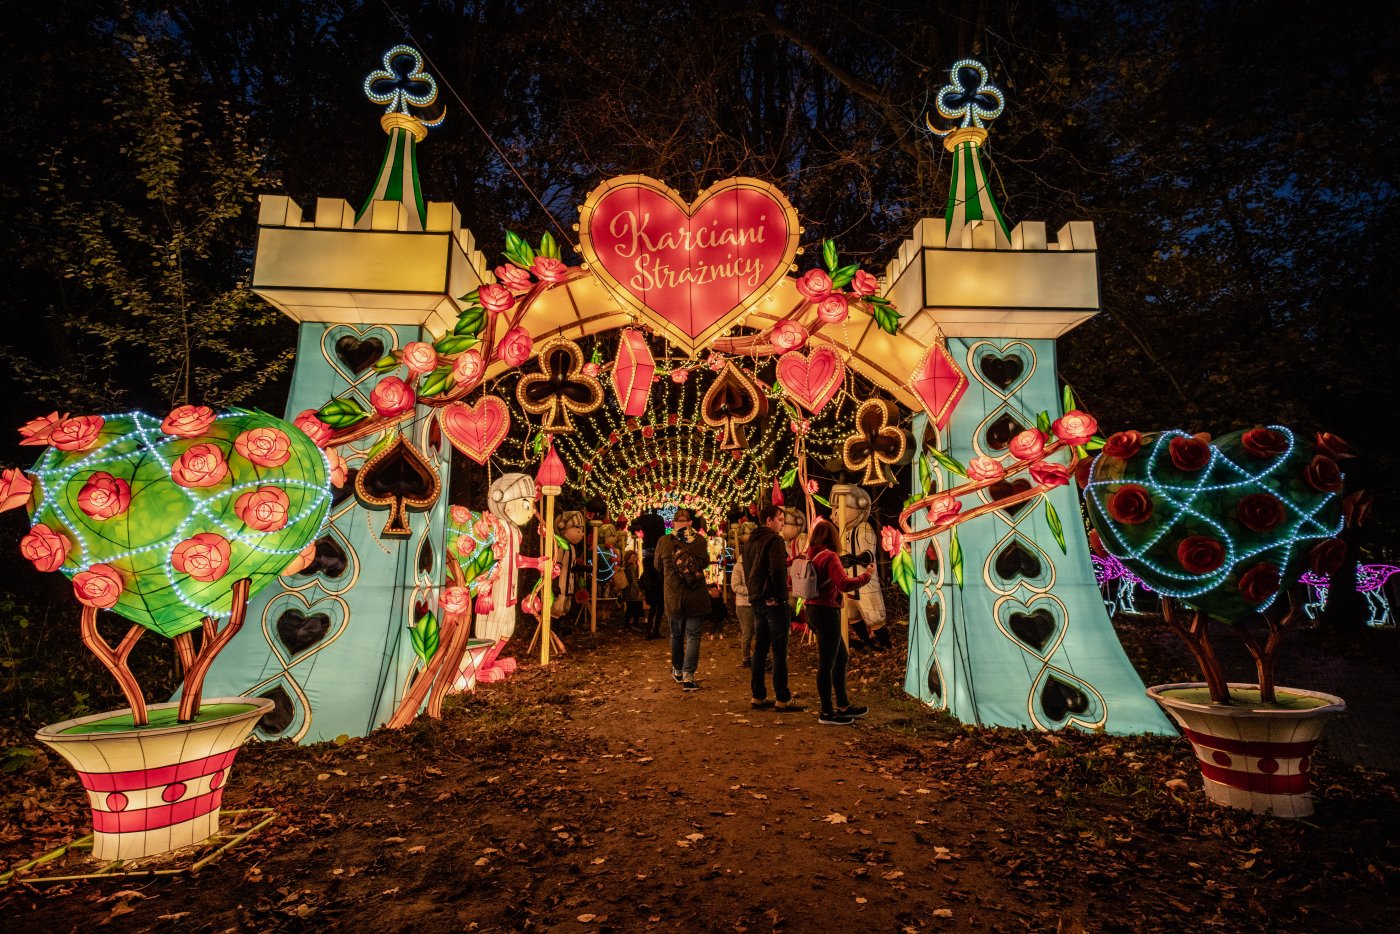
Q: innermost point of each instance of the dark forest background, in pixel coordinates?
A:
(1237, 158)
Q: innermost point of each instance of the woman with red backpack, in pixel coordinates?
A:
(824, 615)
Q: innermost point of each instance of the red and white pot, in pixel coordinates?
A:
(159, 787)
(1256, 758)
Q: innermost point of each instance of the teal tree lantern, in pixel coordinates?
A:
(1224, 527)
(170, 523)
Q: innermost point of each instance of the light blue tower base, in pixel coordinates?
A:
(349, 680)
(1028, 646)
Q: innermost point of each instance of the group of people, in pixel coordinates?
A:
(760, 582)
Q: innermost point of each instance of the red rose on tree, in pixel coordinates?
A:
(1260, 512)
(1131, 504)
(266, 447)
(99, 586)
(1326, 556)
(1323, 474)
(188, 421)
(104, 496)
(1049, 474)
(315, 429)
(1259, 583)
(1264, 442)
(77, 433)
(263, 509)
(45, 547)
(201, 465)
(1200, 554)
(1123, 444)
(204, 556)
(1189, 453)
(1333, 447)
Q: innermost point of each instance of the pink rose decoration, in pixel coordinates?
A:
(391, 396)
(36, 431)
(455, 600)
(833, 310)
(983, 469)
(800, 426)
(339, 470)
(513, 277)
(591, 369)
(1049, 474)
(815, 286)
(77, 433)
(943, 507)
(15, 489)
(1075, 428)
(496, 298)
(203, 556)
(864, 284)
(419, 357)
(716, 362)
(200, 466)
(1028, 445)
(302, 561)
(99, 586)
(318, 431)
(461, 515)
(188, 421)
(104, 496)
(787, 335)
(648, 432)
(679, 376)
(812, 486)
(45, 547)
(516, 346)
(532, 605)
(549, 270)
(891, 539)
(468, 367)
(266, 447)
(263, 509)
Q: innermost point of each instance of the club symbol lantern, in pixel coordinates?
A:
(878, 442)
(559, 388)
(971, 97)
(731, 402)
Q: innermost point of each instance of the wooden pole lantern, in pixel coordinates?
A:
(550, 478)
(595, 524)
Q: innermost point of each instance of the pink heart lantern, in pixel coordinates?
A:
(477, 430)
(690, 268)
(812, 380)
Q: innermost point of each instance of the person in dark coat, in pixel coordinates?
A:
(765, 575)
(687, 605)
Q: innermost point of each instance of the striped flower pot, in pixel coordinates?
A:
(155, 788)
(1253, 757)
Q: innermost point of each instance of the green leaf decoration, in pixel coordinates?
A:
(925, 475)
(514, 244)
(1068, 399)
(425, 637)
(548, 247)
(471, 298)
(1095, 443)
(788, 479)
(537, 445)
(955, 559)
(470, 322)
(479, 564)
(561, 544)
(342, 413)
(829, 255)
(1057, 529)
(903, 570)
(822, 499)
(597, 356)
(437, 382)
(840, 278)
(455, 344)
(886, 317)
(910, 500)
(386, 363)
(380, 445)
(797, 610)
(948, 463)
(1042, 421)
(876, 300)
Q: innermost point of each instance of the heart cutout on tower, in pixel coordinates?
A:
(812, 380)
(477, 430)
(358, 355)
(689, 268)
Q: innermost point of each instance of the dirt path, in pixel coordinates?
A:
(597, 795)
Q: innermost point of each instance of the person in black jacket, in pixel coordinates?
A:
(765, 572)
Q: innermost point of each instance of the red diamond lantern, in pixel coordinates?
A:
(633, 372)
(939, 383)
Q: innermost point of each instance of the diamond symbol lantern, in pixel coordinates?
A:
(939, 383)
(633, 372)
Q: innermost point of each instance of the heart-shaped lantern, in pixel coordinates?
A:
(812, 380)
(477, 430)
(690, 269)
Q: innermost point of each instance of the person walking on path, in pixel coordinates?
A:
(824, 616)
(765, 578)
(742, 608)
(681, 559)
(632, 592)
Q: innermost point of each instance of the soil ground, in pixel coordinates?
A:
(595, 795)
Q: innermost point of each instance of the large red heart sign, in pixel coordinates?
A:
(689, 268)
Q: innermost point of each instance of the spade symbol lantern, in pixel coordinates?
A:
(731, 402)
(877, 444)
(398, 476)
(560, 387)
